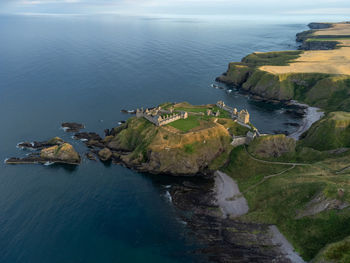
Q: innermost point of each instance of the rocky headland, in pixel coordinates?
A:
(317, 75)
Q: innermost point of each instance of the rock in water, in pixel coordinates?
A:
(72, 126)
(64, 153)
(105, 154)
(41, 145)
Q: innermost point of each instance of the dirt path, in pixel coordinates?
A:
(268, 177)
(226, 188)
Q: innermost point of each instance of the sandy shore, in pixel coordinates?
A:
(312, 115)
(226, 188)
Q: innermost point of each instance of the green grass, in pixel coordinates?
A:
(233, 127)
(189, 148)
(186, 125)
(278, 199)
(327, 91)
(331, 132)
(194, 109)
(279, 58)
(336, 252)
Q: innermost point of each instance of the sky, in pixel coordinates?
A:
(180, 7)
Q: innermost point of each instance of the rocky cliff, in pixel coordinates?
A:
(145, 147)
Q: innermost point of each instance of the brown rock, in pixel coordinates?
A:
(105, 154)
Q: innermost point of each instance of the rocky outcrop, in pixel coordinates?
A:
(62, 153)
(272, 146)
(40, 145)
(105, 154)
(148, 148)
(72, 126)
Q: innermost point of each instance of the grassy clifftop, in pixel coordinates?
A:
(183, 147)
(331, 132)
(317, 77)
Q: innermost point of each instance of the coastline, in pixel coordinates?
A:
(312, 115)
(230, 200)
(233, 204)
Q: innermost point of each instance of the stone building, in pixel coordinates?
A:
(157, 118)
(241, 116)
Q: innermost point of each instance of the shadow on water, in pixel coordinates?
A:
(70, 168)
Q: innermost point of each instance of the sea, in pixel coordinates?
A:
(86, 69)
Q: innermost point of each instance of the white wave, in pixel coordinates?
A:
(6, 160)
(167, 186)
(181, 221)
(84, 140)
(19, 147)
(168, 196)
(48, 163)
(64, 128)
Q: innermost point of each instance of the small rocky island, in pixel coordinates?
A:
(54, 150)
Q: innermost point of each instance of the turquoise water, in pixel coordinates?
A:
(86, 69)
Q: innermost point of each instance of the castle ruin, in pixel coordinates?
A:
(160, 117)
(241, 116)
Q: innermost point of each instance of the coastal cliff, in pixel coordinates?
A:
(147, 147)
(317, 75)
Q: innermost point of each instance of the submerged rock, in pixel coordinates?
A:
(87, 136)
(72, 126)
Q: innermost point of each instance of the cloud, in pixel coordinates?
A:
(205, 7)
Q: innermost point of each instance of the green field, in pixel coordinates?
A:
(186, 125)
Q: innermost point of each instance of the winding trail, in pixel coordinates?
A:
(293, 165)
(270, 162)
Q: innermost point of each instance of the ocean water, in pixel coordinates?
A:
(86, 69)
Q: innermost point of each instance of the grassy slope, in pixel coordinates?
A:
(331, 132)
(335, 252)
(277, 200)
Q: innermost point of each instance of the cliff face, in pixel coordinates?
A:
(164, 150)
